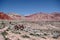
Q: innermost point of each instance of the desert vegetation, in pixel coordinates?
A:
(26, 30)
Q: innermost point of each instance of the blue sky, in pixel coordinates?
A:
(25, 7)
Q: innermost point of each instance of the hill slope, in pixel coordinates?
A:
(4, 16)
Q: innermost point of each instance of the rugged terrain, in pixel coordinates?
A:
(39, 26)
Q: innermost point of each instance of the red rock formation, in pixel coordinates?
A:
(4, 16)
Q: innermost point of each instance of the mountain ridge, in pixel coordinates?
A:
(55, 16)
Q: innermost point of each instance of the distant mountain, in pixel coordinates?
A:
(55, 16)
(14, 16)
(44, 17)
(4, 16)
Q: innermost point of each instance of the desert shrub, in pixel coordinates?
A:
(31, 33)
(4, 33)
(7, 39)
(34, 34)
(2, 25)
(43, 37)
(18, 39)
(8, 29)
(55, 37)
(16, 32)
(55, 34)
(45, 34)
(25, 36)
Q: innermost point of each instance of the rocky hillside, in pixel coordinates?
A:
(44, 17)
(14, 16)
(34, 17)
(4, 16)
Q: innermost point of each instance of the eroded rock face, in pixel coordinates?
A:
(4, 16)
